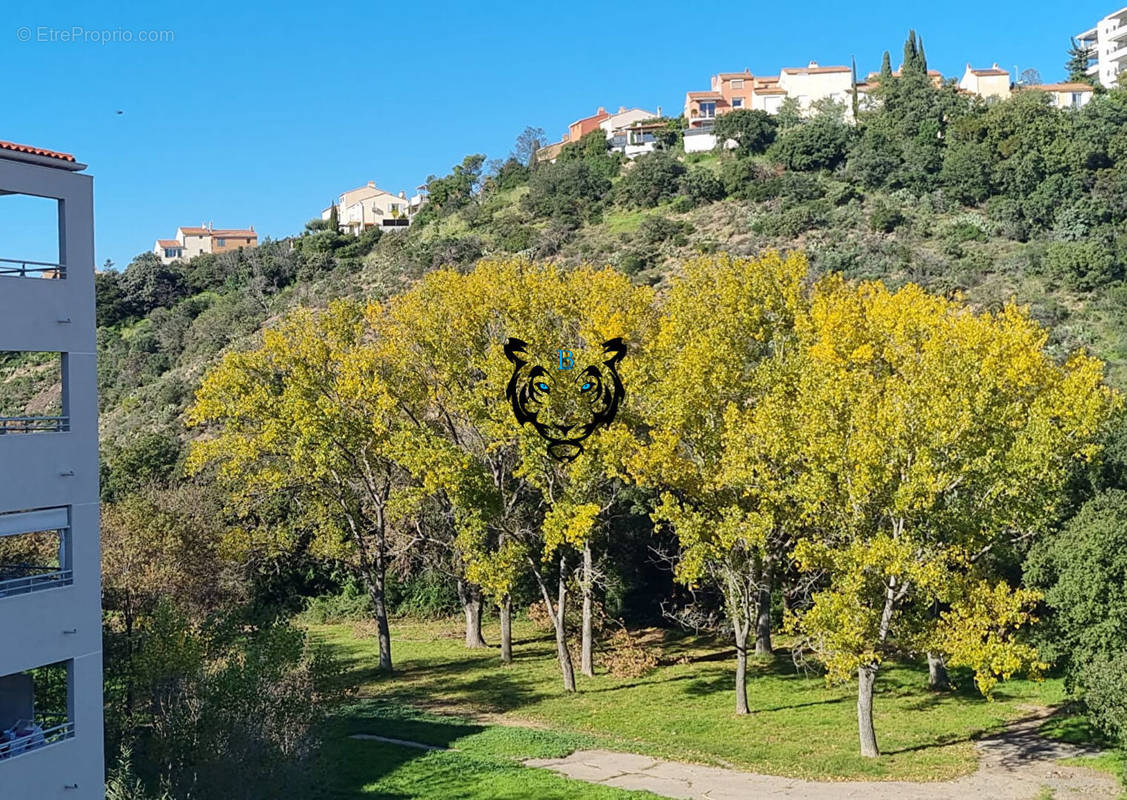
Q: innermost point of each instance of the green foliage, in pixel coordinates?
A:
(701, 185)
(569, 191)
(752, 130)
(886, 218)
(815, 145)
(654, 178)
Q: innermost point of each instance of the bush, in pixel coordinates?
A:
(1082, 265)
(655, 177)
(701, 185)
(747, 180)
(752, 130)
(568, 191)
(793, 221)
(1105, 694)
(656, 229)
(885, 218)
(816, 145)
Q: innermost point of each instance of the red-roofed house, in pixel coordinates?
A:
(191, 242)
(1063, 95)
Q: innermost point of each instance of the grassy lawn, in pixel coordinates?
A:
(482, 764)
(683, 710)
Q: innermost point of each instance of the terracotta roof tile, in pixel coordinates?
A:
(234, 233)
(704, 95)
(35, 151)
(168, 243)
(813, 70)
(1060, 87)
(193, 231)
(991, 71)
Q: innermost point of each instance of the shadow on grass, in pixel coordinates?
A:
(351, 768)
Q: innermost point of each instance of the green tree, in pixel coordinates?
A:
(655, 177)
(752, 130)
(1077, 64)
(815, 145)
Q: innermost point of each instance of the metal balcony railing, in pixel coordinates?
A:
(31, 269)
(34, 424)
(14, 745)
(18, 579)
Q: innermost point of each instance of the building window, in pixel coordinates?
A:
(737, 83)
(171, 252)
(737, 102)
(708, 109)
(1077, 99)
(221, 242)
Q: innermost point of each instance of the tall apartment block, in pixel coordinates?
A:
(1106, 44)
(50, 593)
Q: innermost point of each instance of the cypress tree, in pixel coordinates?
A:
(910, 54)
(922, 57)
(886, 66)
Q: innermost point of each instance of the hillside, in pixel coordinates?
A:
(1015, 200)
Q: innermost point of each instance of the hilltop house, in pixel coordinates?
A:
(986, 83)
(371, 207)
(613, 124)
(191, 242)
(1063, 95)
(735, 90)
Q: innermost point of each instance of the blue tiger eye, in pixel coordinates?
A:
(585, 386)
(542, 386)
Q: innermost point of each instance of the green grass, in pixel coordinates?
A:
(1075, 729)
(482, 764)
(684, 710)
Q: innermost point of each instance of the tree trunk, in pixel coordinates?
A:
(559, 621)
(586, 659)
(506, 630)
(937, 678)
(866, 676)
(763, 617)
(561, 634)
(472, 604)
(741, 632)
(376, 593)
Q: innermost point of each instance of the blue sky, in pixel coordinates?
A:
(261, 113)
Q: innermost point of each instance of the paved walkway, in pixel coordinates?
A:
(1016, 764)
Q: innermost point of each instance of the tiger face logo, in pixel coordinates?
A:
(565, 405)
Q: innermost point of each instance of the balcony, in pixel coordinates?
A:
(34, 709)
(34, 551)
(16, 268)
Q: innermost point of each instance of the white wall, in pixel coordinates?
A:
(57, 469)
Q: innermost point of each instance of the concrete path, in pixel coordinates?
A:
(1014, 765)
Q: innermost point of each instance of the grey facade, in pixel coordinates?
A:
(49, 482)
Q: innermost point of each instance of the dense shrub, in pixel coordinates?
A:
(568, 191)
(885, 218)
(1083, 265)
(701, 185)
(818, 144)
(654, 177)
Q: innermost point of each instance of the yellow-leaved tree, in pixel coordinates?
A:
(726, 338)
(313, 414)
(928, 435)
(507, 498)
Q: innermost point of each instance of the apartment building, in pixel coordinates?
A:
(50, 593)
(192, 241)
(986, 83)
(371, 207)
(1106, 43)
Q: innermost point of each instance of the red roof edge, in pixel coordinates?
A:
(35, 151)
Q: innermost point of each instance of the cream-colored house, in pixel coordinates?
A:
(812, 83)
(986, 83)
(371, 207)
(191, 242)
(1063, 95)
